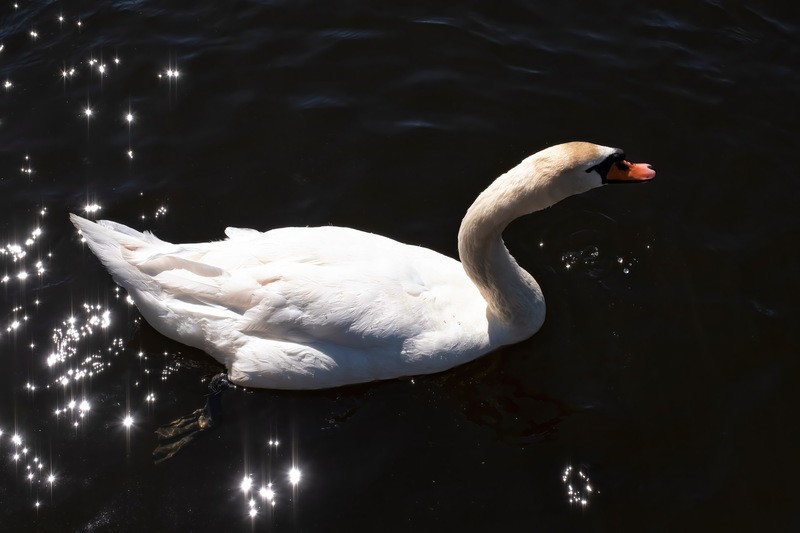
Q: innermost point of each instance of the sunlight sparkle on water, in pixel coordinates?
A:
(294, 476)
(578, 486)
(267, 493)
(127, 421)
(247, 483)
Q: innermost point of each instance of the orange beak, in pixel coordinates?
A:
(626, 172)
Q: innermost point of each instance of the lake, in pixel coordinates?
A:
(658, 395)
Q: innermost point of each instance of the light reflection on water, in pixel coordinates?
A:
(19, 250)
(66, 359)
(39, 476)
(67, 374)
(261, 494)
(74, 356)
(578, 487)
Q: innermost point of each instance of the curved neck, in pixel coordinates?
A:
(514, 299)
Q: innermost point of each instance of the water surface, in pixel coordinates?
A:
(660, 388)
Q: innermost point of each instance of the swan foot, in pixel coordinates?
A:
(177, 434)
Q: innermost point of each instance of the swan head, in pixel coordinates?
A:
(576, 167)
(549, 176)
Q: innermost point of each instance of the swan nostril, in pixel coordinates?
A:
(650, 167)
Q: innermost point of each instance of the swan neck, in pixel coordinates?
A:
(514, 299)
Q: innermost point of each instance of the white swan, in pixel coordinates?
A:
(311, 308)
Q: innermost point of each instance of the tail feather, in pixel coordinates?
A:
(108, 240)
(146, 236)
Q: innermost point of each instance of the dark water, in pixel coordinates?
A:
(665, 375)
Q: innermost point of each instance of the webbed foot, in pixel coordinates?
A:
(174, 436)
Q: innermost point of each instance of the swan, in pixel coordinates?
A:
(321, 307)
